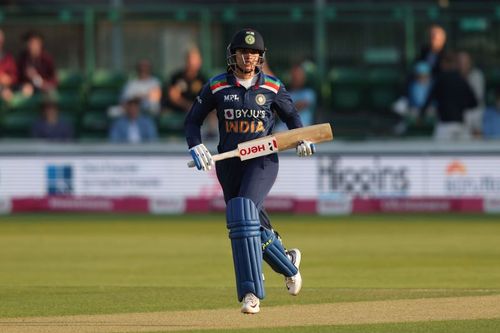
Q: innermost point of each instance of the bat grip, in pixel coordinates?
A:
(218, 157)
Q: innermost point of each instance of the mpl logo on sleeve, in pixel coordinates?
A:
(258, 147)
(231, 98)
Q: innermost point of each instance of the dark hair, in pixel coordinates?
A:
(47, 104)
(32, 34)
(142, 61)
(449, 59)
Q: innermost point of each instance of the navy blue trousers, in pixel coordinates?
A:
(252, 179)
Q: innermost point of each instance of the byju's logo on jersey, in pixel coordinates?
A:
(229, 114)
(231, 98)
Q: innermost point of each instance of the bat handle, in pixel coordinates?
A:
(217, 157)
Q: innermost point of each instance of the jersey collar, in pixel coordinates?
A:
(231, 79)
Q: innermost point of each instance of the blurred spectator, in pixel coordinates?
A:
(408, 106)
(420, 86)
(453, 96)
(304, 98)
(432, 52)
(185, 86)
(8, 71)
(473, 117)
(186, 83)
(50, 126)
(35, 66)
(145, 86)
(133, 127)
(491, 119)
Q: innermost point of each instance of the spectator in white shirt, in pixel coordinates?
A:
(145, 86)
(475, 78)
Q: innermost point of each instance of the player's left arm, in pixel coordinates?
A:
(287, 112)
(203, 105)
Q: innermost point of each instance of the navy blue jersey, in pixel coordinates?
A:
(242, 114)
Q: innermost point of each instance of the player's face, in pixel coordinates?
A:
(247, 59)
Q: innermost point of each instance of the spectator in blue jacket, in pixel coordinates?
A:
(303, 97)
(50, 126)
(491, 119)
(133, 127)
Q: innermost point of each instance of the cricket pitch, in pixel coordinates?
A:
(348, 313)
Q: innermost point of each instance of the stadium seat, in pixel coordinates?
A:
(352, 126)
(382, 97)
(347, 89)
(17, 124)
(69, 80)
(101, 99)
(21, 103)
(386, 75)
(94, 125)
(70, 117)
(346, 98)
(70, 100)
(348, 75)
(384, 87)
(171, 124)
(104, 79)
(424, 129)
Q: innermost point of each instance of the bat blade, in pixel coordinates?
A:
(258, 147)
(315, 134)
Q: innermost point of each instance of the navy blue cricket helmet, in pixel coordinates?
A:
(245, 39)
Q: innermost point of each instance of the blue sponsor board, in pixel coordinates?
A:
(59, 179)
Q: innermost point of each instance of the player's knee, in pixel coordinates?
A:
(242, 218)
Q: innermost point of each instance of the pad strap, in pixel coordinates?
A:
(275, 255)
(244, 231)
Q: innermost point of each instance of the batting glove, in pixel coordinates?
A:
(305, 148)
(202, 157)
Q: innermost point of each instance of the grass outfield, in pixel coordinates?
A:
(105, 264)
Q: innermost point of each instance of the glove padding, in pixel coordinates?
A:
(201, 157)
(305, 148)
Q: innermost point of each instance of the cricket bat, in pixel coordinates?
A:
(277, 142)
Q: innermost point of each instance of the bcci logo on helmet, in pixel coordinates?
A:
(249, 39)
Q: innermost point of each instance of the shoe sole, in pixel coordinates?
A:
(298, 257)
(251, 311)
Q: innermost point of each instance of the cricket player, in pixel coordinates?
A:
(246, 100)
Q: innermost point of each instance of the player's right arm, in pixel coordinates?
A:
(204, 103)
